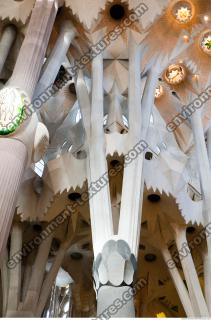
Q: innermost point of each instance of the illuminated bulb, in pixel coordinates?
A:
(206, 18)
(183, 15)
(175, 74)
(159, 91)
(186, 38)
(183, 11)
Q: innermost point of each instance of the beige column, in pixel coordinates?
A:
(7, 39)
(15, 148)
(13, 156)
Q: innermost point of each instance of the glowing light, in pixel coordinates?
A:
(175, 74)
(183, 11)
(183, 15)
(186, 38)
(161, 315)
(206, 18)
(159, 91)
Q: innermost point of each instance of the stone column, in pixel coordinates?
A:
(17, 148)
(31, 57)
(130, 211)
(203, 160)
(113, 273)
(7, 39)
(194, 288)
(178, 282)
(56, 58)
(99, 201)
(13, 156)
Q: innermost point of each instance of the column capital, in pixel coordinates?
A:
(115, 265)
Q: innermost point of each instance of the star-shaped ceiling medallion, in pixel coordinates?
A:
(117, 16)
(183, 11)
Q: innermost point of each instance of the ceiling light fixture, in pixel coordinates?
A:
(205, 41)
(175, 74)
(183, 11)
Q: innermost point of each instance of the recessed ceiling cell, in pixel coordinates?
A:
(117, 12)
(37, 227)
(150, 257)
(190, 229)
(74, 196)
(148, 155)
(76, 255)
(153, 197)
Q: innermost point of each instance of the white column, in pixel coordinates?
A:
(31, 57)
(25, 75)
(194, 288)
(130, 213)
(178, 282)
(203, 159)
(56, 58)
(100, 204)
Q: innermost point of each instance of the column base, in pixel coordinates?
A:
(115, 302)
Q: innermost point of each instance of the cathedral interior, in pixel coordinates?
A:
(105, 158)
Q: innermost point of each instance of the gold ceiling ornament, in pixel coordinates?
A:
(175, 74)
(159, 91)
(205, 41)
(183, 11)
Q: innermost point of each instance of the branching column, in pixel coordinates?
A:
(194, 288)
(205, 179)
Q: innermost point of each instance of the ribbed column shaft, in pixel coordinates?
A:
(6, 42)
(13, 155)
(33, 49)
(56, 58)
(130, 212)
(15, 273)
(179, 284)
(100, 203)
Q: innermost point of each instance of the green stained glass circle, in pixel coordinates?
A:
(11, 110)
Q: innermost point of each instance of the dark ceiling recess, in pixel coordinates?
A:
(76, 255)
(148, 155)
(37, 227)
(85, 246)
(117, 12)
(60, 74)
(72, 88)
(74, 196)
(55, 244)
(153, 197)
(142, 247)
(190, 229)
(150, 257)
(114, 163)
